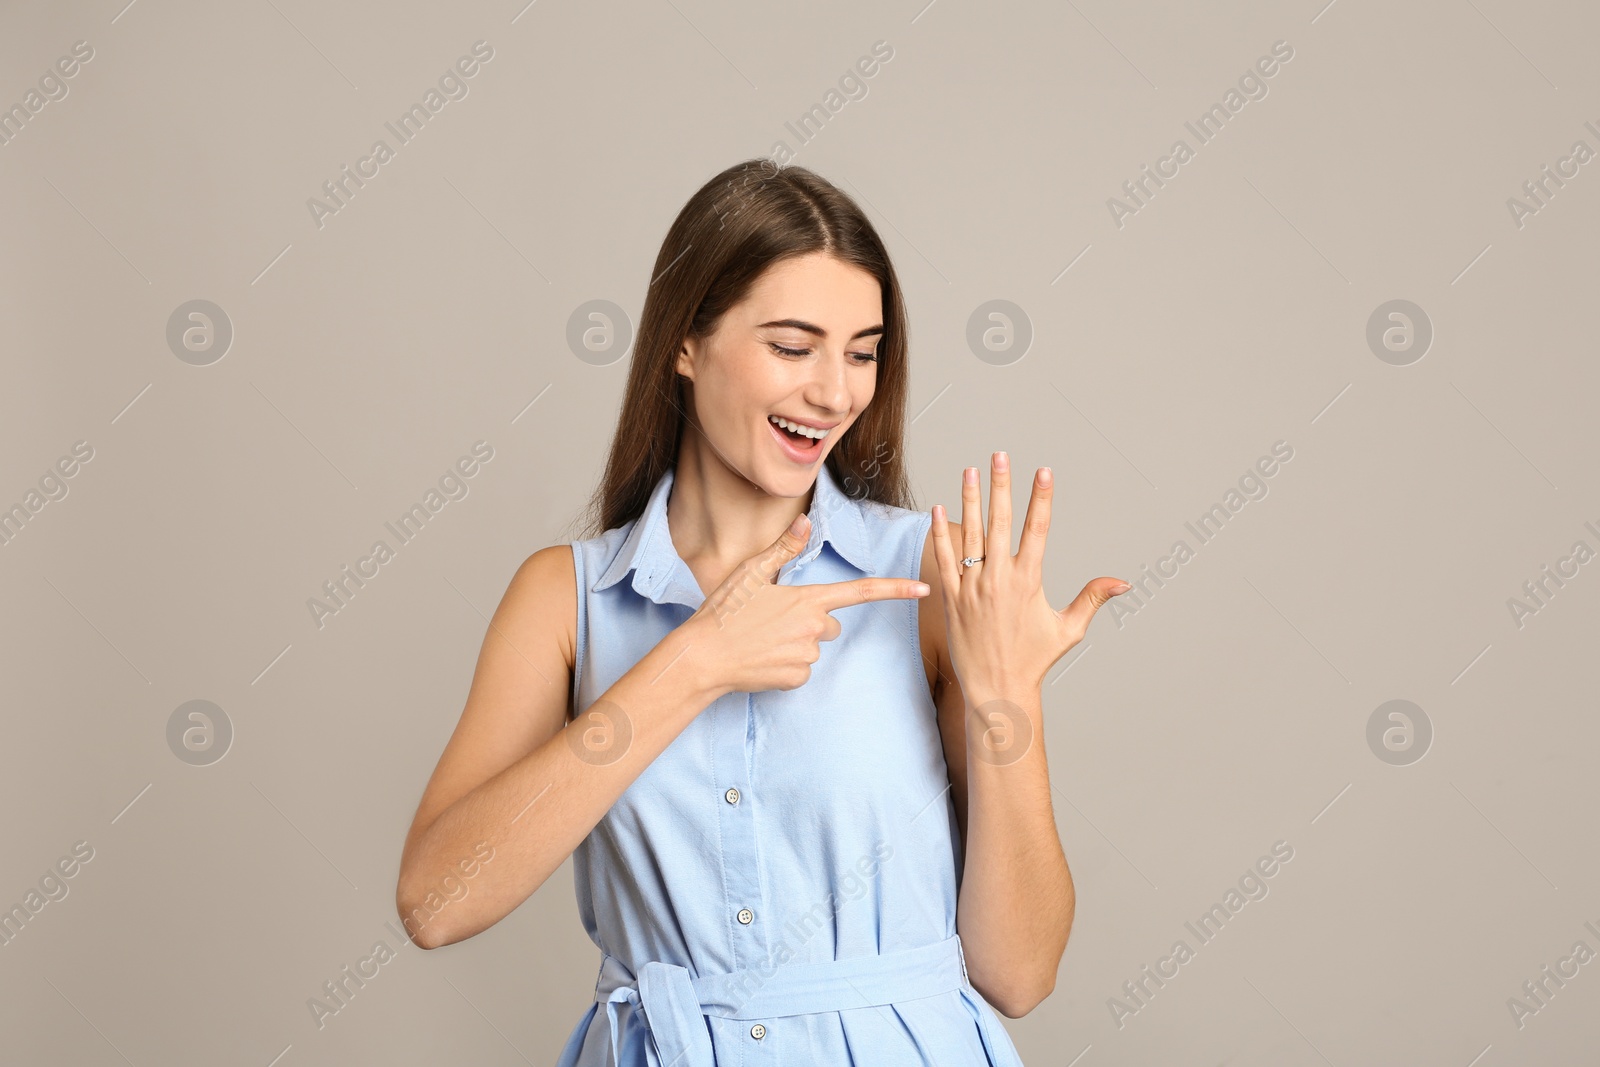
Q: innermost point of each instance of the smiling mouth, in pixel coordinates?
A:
(795, 441)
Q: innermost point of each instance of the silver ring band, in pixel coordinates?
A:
(970, 560)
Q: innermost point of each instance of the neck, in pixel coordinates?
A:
(717, 517)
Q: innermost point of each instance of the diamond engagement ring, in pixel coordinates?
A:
(970, 560)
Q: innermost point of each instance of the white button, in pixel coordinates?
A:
(758, 1031)
(731, 796)
(745, 916)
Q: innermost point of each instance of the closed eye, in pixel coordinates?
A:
(864, 357)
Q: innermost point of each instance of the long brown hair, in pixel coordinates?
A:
(738, 224)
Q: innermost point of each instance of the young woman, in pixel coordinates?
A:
(776, 794)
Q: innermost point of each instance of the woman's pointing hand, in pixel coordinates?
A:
(758, 635)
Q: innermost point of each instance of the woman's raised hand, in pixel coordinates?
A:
(1004, 635)
(757, 635)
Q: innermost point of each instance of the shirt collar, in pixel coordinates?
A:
(836, 520)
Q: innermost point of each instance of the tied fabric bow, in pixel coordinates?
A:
(672, 1015)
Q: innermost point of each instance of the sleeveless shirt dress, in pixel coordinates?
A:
(778, 887)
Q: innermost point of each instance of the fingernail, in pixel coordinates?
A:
(1046, 476)
(1001, 461)
(1120, 588)
(970, 476)
(921, 588)
(798, 523)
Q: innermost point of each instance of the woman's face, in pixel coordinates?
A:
(801, 346)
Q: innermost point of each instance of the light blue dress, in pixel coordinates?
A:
(779, 885)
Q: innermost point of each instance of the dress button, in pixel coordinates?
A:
(745, 916)
(758, 1031)
(731, 796)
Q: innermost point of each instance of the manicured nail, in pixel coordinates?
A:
(970, 476)
(1002, 462)
(1046, 476)
(921, 588)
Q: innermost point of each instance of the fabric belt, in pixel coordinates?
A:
(673, 1003)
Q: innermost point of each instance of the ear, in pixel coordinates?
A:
(686, 359)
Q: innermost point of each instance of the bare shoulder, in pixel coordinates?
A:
(541, 601)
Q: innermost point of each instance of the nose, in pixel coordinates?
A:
(829, 388)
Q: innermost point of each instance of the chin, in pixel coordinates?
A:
(790, 484)
(780, 478)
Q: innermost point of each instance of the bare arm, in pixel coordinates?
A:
(516, 790)
(514, 783)
(1016, 900)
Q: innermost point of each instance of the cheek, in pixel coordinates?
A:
(863, 394)
(734, 410)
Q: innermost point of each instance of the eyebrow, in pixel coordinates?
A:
(812, 328)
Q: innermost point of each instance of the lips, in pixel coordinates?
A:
(796, 448)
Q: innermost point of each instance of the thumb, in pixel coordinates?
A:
(785, 548)
(1094, 595)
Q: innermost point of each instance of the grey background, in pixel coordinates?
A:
(1228, 314)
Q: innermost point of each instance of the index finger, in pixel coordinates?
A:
(835, 595)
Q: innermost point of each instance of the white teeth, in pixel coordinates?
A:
(804, 431)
